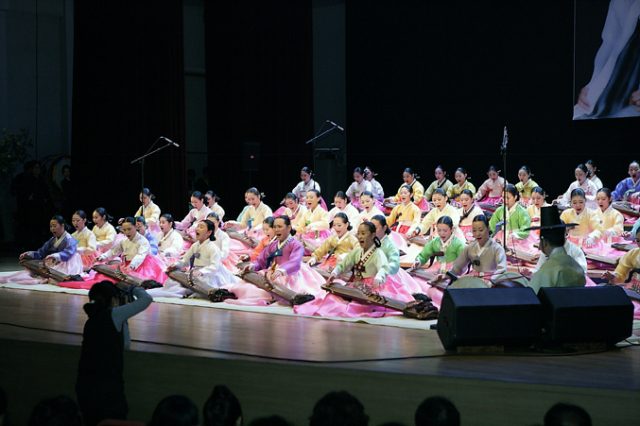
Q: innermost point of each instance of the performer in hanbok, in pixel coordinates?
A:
(313, 225)
(463, 183)
(252, 218)
(442, 208)
(308, 182)
(611, 219)
(212, 203)
(468, 211)
(105, 232)
(406, 216)
(150, 211)
(588, 234)
(538, 196)
(59, 253)
(441, 182)
(628, 187)
(358, 187)
(486, 257)
(526, 184)
(491, 189)
(592, 174)
(223, 241)
(370, 269)
(582, 182)
(559, 269)
(282, 262)
(411, 178)
(269, 237)
(143, 229)
(446, 243)
(136, 255)
(342, 205)
(199, 212)
(294, 209)
(171, 243)
(337, 246)
(369, 210)
(204, 258)
(86, 240)
(627, 263)
(517, 221)
(376, 188)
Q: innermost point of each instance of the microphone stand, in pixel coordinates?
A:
(141, 160)
(313, 140)
(503, 150)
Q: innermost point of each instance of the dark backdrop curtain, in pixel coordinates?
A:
(260, 89)
(128, 89)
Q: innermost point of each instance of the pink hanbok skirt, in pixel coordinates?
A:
(152, 268)
(305, 281)
(424, 205)
(335, 306)
(600, 247)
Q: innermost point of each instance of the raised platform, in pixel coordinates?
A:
(283, 364)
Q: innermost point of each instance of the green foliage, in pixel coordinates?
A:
(14, 151)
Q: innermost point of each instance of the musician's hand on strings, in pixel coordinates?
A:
(625, 234)
(244, 258)
(331, 278)
(589, 242)
(248, 268)
(101, 258)
(415, 265)
(526, 272)
(275, 275)
(377, 283)
(172, 267)
(311, 261)
(197, 273)
(513, 237)
(439, 277)
(608, 275)
(26, 254)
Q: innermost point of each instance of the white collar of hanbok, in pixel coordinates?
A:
(445, 244)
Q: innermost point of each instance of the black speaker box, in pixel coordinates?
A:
(585, 314)
(485, 317)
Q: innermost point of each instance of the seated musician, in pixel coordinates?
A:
(171, 242)
(269, 237)
(337, 246)
(370, 271)
(560, 270)
(406, 214)
(486, 256)
(280, 262)
(143, 229)
(59, 253)
(628, 262)
(136, 254)
(447, 246)
(203, 257)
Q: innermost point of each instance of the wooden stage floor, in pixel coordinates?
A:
(282, 364)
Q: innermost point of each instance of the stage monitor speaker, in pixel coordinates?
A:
(251, 157)
(585, 314)
(508, 317)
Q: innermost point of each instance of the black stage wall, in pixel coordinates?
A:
(128, 90)
(259, 89)
(433, 83)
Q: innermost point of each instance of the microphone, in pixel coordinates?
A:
(505, 138)
(340, 129)
(170, 141)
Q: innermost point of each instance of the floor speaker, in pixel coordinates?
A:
(585, 314)
(509, 317)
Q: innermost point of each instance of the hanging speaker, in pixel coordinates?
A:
(251, 157)
(488, 317)
(585, 314)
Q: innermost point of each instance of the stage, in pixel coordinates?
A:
(278, 363)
